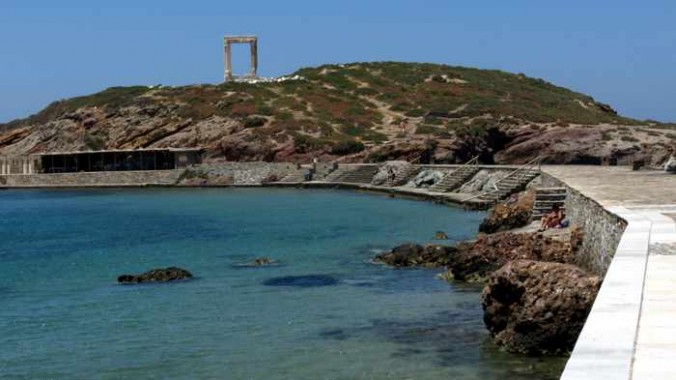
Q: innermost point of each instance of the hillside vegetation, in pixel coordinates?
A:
(354, 112)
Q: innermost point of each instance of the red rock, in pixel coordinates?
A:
(538, 308)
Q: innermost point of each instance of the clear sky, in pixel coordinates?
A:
(621, 52)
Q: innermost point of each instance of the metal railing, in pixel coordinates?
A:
(518, 173)
(474, 161)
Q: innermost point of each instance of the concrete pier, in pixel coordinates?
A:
(631, 330)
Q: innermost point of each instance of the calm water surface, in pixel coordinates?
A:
(64, 317)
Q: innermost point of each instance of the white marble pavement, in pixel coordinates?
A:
(631, 330)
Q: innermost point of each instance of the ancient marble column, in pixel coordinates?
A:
(228, 61)
(254, 57)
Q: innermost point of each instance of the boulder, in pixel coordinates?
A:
(484, 180)
(670, 165)
(261, 261)
(538, 308)
(156, 275)
(408, 255)
(426, 178)
(475, 261)
(398, 168)
(440, 235)
(513, 213)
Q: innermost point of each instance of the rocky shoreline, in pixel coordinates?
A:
(536, 298)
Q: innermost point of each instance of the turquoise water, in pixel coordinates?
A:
(64, 317)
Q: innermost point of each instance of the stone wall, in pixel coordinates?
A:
(246, 173)
(602, 229)
(94, 179)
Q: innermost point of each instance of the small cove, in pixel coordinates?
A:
(64, 316)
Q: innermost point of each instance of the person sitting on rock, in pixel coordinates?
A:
(552, 219)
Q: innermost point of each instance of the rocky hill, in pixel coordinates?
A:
(354, 112)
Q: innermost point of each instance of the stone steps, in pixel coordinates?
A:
(295, 177)
(546, 198)
(408, 173)
(359, 174)
(454, 179)
(510, 185)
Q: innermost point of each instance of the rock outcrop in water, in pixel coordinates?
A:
(156, 275)
(262, 261)
(538, 308)
(410, 255)
(513, 213)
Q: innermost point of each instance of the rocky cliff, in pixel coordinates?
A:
(353, 113)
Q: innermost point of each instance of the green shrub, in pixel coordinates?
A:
(347, 147)
(254, 121)
(426, 130)
(95, 142)
(304, 143)
(433, 120)
(264, 109)
(416, 112)
(284, 116)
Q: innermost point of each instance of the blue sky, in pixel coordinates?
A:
(621, 52)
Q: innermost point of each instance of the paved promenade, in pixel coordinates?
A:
(631, 330)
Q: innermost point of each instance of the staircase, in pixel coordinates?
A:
(457, 177)
(171, 177)
(295, 177)
(546, 198)
(454, 179)
(353, 174)
(510, 184)
(402, 178)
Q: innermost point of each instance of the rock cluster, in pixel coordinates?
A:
(156, 275)
(536, 307)
(408, 255)
(489, 252)
(396, 169)
(425, 179)
(535, 300)
(513, 213)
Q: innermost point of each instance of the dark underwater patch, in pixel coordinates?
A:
(306, 281)
(336, 334)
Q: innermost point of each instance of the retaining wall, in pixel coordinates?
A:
(245, 173)
(93, 179)
(602, 229)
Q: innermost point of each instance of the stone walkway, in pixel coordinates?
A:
(656, 341)
(631, 330)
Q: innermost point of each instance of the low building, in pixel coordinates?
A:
(103, 160)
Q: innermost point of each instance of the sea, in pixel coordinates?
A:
(321, 310)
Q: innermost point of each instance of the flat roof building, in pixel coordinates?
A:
(102, 160)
